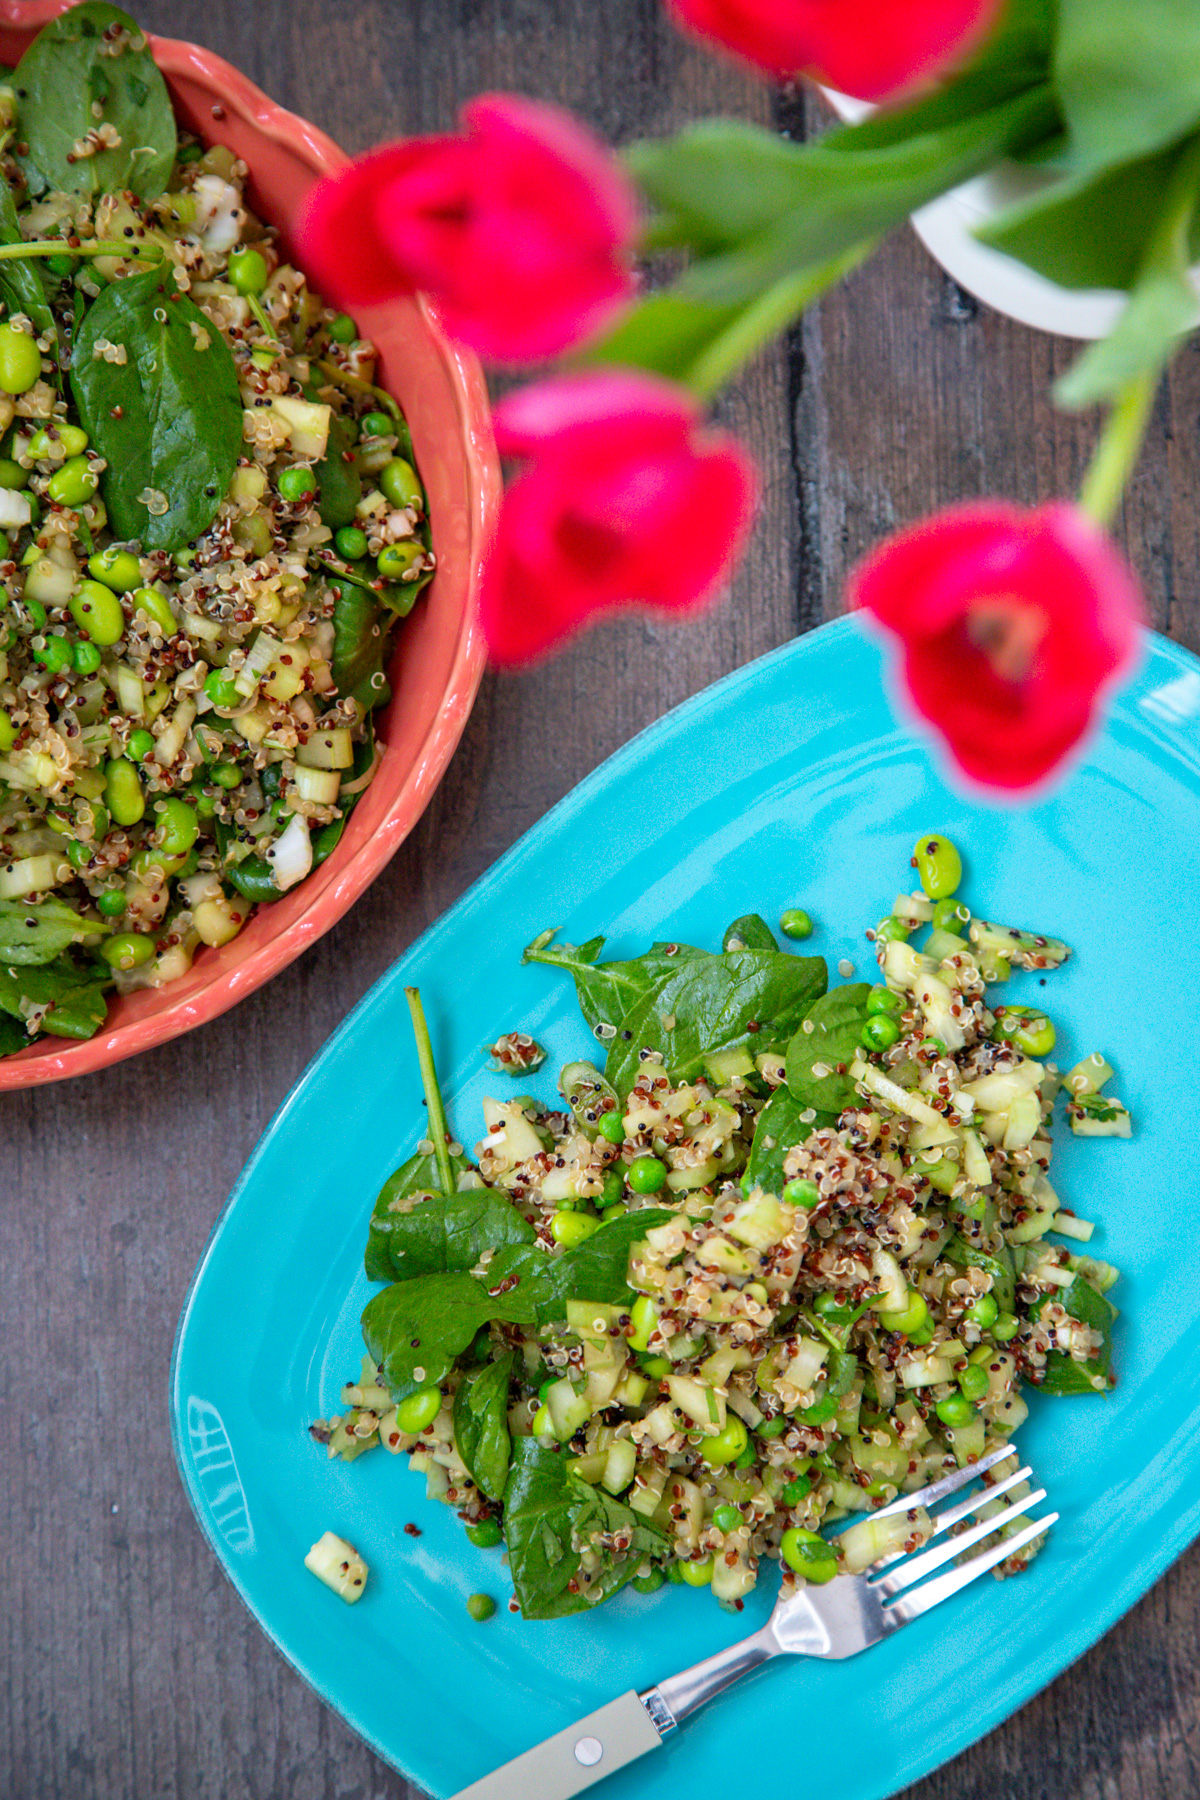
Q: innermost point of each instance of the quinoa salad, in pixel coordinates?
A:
(212, 524)
(792, 1252)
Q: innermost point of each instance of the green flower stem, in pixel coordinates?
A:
(1119, 448)
(767, 316)
(60, 247)
(439, 1131)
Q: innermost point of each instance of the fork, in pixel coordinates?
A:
(840, 1618)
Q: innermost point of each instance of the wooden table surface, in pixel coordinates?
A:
(131, 1670)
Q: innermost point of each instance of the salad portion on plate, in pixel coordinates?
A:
(788, 1255)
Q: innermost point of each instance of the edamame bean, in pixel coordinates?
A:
(141, 743)
(728, 1443)
(377, 424)
(395, 560)
(1031, 1031)
(419, 1409)
(123, 791)
(698, 1574)
(248, 271)
(155, 866)
(111, 904)
(951, 915)
(8, 732)
(20, 360)
(72, 440)
(610, 1213)
(342, 329)
(221, 688)
(939, 866)
(956, 1409)
(646, 1174)
(178, 826)
(655, 1366)
(485, 1534)
(12, 475)
(225, 775)
(882, 1000)
(801, 1193)
(1007, 1326)
(296, 484)
(908, 1318)
(974, 1382)
(649, 1583)
(116, 568)
(612, 1126)
(892, 931)
(880, 1032)
(86, 657)
(643, 1316)
(727, 1518)
(74, 483)
(808, 1554)
(571, 1228)
(481, 1607)
(398, 480)
(55, 655)
(985, 1311)
(350, 542)
(78, 855)
(127, 950)
(795, 923)
(97, 611)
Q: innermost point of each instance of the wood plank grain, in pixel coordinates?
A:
(132, 1672)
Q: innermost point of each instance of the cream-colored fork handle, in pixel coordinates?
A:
(572, 1760)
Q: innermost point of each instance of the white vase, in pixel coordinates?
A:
(946, 227)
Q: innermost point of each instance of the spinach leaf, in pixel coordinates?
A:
(998, 1263)
(360, 644)
(550, 1517)
(481, 1425)
(608, 991)
(13, 1036)
(338, 480)
(425, 1324)
(21, 286)
(178, 429)
(1063, 1375)
(707, 1004)
(750, 932)
(597, 1269)
(74, 996)
(68, 83)
(440, 1232)
(38, 934)
(837, 1020)
(778, 1128)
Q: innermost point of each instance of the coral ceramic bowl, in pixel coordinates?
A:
(439, 659)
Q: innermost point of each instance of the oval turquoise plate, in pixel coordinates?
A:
(788, 783)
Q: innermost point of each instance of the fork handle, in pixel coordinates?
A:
(574, 1759)
(679, 1696)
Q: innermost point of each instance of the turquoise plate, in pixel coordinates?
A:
(790, 782)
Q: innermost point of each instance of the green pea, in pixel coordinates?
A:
(808, 1554)
(934, 1046)
(880, 1032)
(72, 440)
(111, 904)
(802, 1193)
(20, 360)
(772, 1428)
(248, 271)
(155, 866)
(613, 1188)
(571, 1228)
(350, 543)
(97, 611)
(881, 1000)
(795, 923)
(985, 1311)
(485, 1534)
(955, 1410)
(419, 1410)
(206, 806)
(697, 1574)
(646, 1174)
(795, 1491)
(939, 865)
(141, 743)
(481, 1607)
(221, 688)
(395, 560)
(127, 950)
(86, 657)
(74, 483)
(8, 732)
(178, 826)
(1007, 1326)
(650, 1582)
(612, 1126)
(116, 568)
(727, 1518)
(296, 484)
(123, 791)
(892, 931)
(377, 424)
(55, 655)
(342, 329)
(400, 484)
(974, 1382)
(78, 855)
(728, 1443)
(908, 1318)
(225, 775)
(951, 915)
(12, 475)
(748, 1456)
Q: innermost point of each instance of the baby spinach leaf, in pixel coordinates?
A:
(360, 644)
(998, 1263)
(441, 1231)
(338, 480)
(550, 1518)
(13, 1035)
(74, 996)
(597, 1269)
(425, 1324)
(750, 932)
(1063, 1375)
(178, 424)
(837, 1020)
(708, 1003)
(481, 1425)
(72, 80)
(21, 286)
(38, 934)
(778, 1129)
(608, 991)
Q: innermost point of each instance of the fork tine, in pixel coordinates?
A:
(948, 1484)
(910, 1606)
(951, 1515)
(917, 1567)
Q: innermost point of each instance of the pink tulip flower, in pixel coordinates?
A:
(1013, 625)
(863, 47)
(626, 500)
(521, 229)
